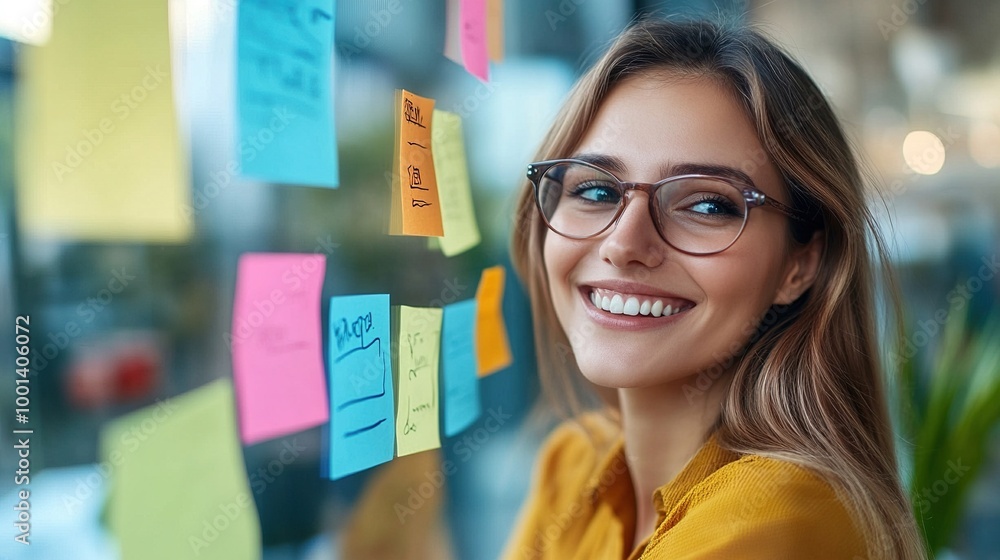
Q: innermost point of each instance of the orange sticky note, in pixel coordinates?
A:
(494, 29)
(492, 345)
(415, 206)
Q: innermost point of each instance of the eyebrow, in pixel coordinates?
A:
(617, 166)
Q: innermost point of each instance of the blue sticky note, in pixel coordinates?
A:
(458, 358)
(362, 419)
(284, 94)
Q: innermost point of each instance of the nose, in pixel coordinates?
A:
(633, 239)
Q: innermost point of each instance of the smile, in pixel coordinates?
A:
(618, 303)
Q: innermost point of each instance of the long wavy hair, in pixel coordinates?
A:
(807, 388)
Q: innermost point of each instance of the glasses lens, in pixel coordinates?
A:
(578, 200)
(700, 215)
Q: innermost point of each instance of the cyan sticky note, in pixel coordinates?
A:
(284, 94)
(362, 420)
(458, 366)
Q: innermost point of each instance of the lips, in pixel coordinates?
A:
(632, 303)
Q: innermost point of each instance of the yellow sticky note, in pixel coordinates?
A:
(179, 488)
(494, 29)
(457, 214)
(415, 208)
(417, 412)
(492, 346)
(98, 151)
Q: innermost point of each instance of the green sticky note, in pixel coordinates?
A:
(178, 485)
(417, 412)
(458, 216)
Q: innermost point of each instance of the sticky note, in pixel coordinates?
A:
(457, 214)
(492, 345)
(26, 21)
(458, 366)
(362, 411)
(179, 488)
(277, 344)
(417, 414)
(99, 156)
(415, 208)
(475, 50)
(494, 29)
(284, 70)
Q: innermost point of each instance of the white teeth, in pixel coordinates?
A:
(657, 308)
(617, 304)
(631, 306)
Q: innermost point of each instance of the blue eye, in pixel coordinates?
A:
(601, 193)
(715, 206)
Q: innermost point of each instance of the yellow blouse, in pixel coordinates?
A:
(721, 505)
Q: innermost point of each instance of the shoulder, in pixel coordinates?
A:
(761, 507)
(576, 448)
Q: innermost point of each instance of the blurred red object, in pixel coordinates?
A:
(115, 370)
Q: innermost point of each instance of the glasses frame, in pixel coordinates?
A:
(753, 196)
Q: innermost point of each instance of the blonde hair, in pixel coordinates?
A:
(807, 388)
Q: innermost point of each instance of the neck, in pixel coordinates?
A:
(663, 428)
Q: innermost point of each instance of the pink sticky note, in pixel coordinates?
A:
(277, 346)
(475, 50)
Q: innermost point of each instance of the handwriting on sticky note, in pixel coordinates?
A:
(417, 415)
(277, 344)
(416, 208)
(284, 91)
(475, 50)
(461, 232)
(458, 366)
(492, 344)
(362, 431)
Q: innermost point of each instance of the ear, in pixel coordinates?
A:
(801, 270)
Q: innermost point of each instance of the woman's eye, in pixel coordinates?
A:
(714, 207)
(595, 192)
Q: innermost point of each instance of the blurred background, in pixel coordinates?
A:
(915, 82)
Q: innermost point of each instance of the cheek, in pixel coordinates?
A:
(561, 256)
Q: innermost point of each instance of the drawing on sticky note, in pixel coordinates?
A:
(418, 356)
(362, 431)
(415, 207)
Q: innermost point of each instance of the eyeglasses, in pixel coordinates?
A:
(696, 214)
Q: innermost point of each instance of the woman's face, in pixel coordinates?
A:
(650, 125)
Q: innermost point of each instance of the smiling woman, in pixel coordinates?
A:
(679, 232)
